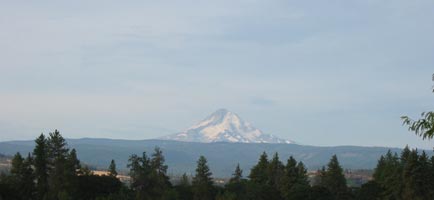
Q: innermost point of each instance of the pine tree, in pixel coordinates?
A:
(185, 181)
(23, 176)
(28, 188)
(334, 179)
(295, 184)
(379, 170)
(319, 178)
(416, 177)
(16, 164)
(259, 172)
(159, 174)
(158, 166)
(237, 175)
(425, 184)
(140, 171)
(369, 191)
(275, 172)
(388, 174)
(112, 169)
(73, 161)
(405, 154)
(393, 184)
(290, 177)
(302, 177)
(40, 154)
(184, 188)
(58, 171)
(202, 181)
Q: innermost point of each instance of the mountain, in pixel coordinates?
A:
(222, 157)
(224, 126)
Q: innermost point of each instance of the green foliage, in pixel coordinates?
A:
(59, 168)
(203, 188)
(184, 188)
(259, 173)
(22, 177)
(159, 174)
(320, 193)
(295, 184)
(112, 169)
(237, 175)
(40, 154)
(423, 127)
(369, 191)
(407, 177)
(275, 172)
(93, 186)
(149, 177)
(54, 173)
(334, 180)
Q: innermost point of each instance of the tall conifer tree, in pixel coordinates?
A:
(112, 169)
(202, 181)
(334, 179)
(237, 175)
(259, 172)
(40, 154)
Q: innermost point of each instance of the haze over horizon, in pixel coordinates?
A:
(144, 69)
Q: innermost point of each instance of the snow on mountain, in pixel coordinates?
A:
(224, 126)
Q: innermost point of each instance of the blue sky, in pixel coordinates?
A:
(316, 72)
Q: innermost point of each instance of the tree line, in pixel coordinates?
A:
(53, 172)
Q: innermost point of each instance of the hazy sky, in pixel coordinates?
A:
(316, 72)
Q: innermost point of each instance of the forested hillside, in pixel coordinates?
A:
(53, 171)
(223, 156)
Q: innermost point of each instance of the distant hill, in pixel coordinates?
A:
(223, 157)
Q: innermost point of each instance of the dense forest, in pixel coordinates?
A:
(53, 172)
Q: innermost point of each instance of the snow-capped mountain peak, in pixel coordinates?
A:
(224, 126)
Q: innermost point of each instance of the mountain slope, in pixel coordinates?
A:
(224, 126)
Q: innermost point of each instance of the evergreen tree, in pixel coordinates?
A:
(85, 171)
(27, 188)
(60, 173)
(237, 175)
(184, 188)
(184, 181)
(17, 164)
(159, 174)
(379, 170)
(112, 169)
(369, 191)
(295, 184)
(275, 172)
(334, 179)
(302, 177)
(40, 154)
(22, 176)
(410, 164)
(416, 183)
(140, 170)
(259, 172)
(73, 162)
(392, 182)
(319, 178)
(426, 182)
(290, 177)
(405, 154)
(202, 181)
